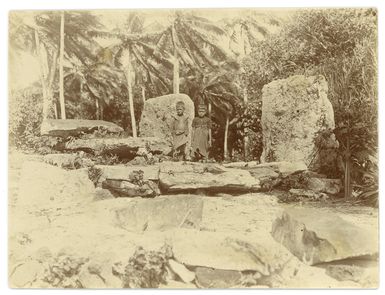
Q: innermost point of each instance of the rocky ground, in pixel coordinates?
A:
(82, 237)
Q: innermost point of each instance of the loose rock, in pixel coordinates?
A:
(217, 278)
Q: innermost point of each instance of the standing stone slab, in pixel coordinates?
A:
(316, 237)
(74, 127)
(293, 111)
(157, 114)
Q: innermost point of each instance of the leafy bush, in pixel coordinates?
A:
(25, 116)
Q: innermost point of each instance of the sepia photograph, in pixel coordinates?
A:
(209, 148)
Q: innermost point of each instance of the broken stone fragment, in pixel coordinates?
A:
(217, 278)
(183, 273)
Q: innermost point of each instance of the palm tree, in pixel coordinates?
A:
(134, 51)
(192, 41)
(243, 32)
(61, 75)
(40, 32)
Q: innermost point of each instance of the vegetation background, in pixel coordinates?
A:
(105, 64)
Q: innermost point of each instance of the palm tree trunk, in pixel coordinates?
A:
(246, 137)
(176, 63)
(130, 95)
(46, 101)
(61, 74)
(143, 94)
(347, 184)
(97, 109)
(51, 78)
(225, 149)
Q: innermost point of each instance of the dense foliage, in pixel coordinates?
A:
(341, 45)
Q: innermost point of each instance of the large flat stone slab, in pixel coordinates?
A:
(125, 147)
(224, 251)
(188, 177)
(269, 170)
(74, 127)
(316, 237)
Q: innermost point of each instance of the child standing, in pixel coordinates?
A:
(201, 134)
(180, 132)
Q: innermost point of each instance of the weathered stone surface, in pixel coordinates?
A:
(293, 111)
(189, 177)
(122, 172)
(183, 273)
(217, 278)
(157, 112)
(220, 251)
(127, 147)
(43, 185)
(128, 189)
(161, 213)
(324, 185)
(74, 127)
(284, 168)
(316, 237)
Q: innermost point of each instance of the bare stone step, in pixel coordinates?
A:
(316, 237)
(75, 127)
(159, 214)
(177, 177)
(127, 147)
